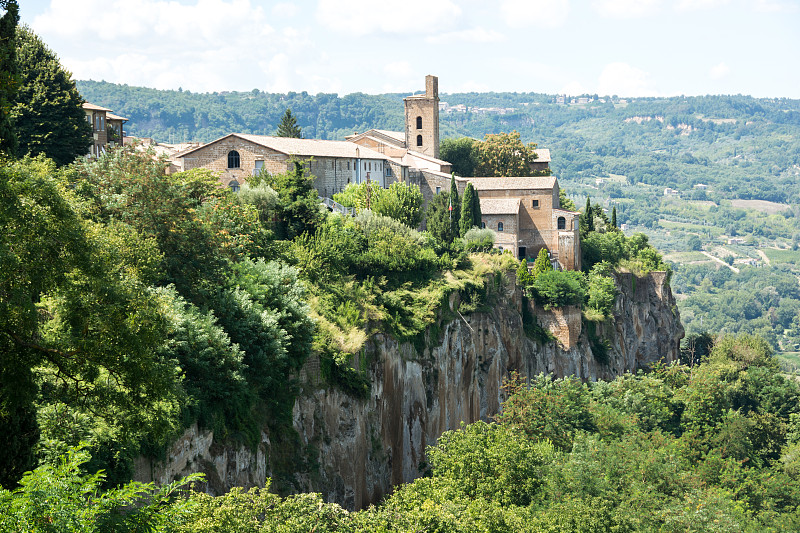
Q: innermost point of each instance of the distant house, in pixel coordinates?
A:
(107, 128)
(671, 192)
(701, 186)
(526, 216)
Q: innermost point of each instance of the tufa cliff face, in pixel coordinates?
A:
(358, 449)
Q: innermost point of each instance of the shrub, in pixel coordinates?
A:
(558, 288)
(479, 240)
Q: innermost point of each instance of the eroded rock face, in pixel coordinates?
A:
(364, 447)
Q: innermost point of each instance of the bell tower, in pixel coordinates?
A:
(422, 119)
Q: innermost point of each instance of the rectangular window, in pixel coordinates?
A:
(438, 190)
(348, 165)
(388, 171)
(535, 204)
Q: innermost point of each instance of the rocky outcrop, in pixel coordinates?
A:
(361, 448)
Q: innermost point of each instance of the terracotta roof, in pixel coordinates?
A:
(112, 116)
(92, 107)
(499, 206)
(305, 147)
(543, 155)
(491, 184)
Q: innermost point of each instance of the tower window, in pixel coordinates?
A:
(562, 223)
(233, 159)
(499, 226)
(419, 140)
(419, 123)
(535, 203)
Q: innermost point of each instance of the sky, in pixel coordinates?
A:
(608, 47)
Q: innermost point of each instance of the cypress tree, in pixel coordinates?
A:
(468, 209)
(455, 208)
(8, 74)
(288, 126)
(614, 217)
(476, 208)
(542, 263)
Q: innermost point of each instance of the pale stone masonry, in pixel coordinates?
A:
(422, 119)
(334, 164)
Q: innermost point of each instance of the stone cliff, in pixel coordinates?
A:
(359, 448)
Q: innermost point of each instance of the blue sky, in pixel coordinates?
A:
(623, 47)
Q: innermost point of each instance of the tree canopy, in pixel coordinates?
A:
(504, 154)
(47, 113)
(8, 75)
(288, 126)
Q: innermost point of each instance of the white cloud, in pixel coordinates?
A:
(626, 9)
(469, 86)
(719, 71)
(773, 6)
(624, 80)
(539, 13)
(285, 10)
(208, 45)
(364, 17)
(696, 5)
(471, 35)
(574, 88)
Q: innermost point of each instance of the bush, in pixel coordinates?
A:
(558, 288)
(479, 240)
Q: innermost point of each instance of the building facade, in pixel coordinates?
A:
(107, 128)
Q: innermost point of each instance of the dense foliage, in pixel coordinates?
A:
(713, 447)
(47, 114)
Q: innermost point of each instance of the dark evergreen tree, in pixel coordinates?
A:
(8, 74)
(467, 218)
(47, 112)
(614, 217)
(437, 218)
(586, 220)
(298, 208)
(454, 208)
(288, 126)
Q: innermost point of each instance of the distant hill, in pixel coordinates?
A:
(743, 147)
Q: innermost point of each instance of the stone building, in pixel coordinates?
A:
(422, 119)
(526, 216)
(334, 164)
(107, 128)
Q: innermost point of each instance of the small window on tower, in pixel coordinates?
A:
(419, 123)
(535, 204)
(562, 223)
(499, 226)
(419, 140)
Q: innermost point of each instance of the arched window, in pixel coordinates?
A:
(562, 223)
(419, 140)
(483, 225)
(233, 159)
(419, 123)
(499, 226)
(234, 185)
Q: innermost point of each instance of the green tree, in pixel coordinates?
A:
(454, 208)
(8, 75)
(288, 126)
(468, 218)
(558, 288)
(504, 155)
(564, 202)
(401, 202)
(541, 264)
(524, 277)
(461, 153)
(586, 220)
(47, 112)
(62, 497)
(298, 209)
(437, 218)
(614, 218)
